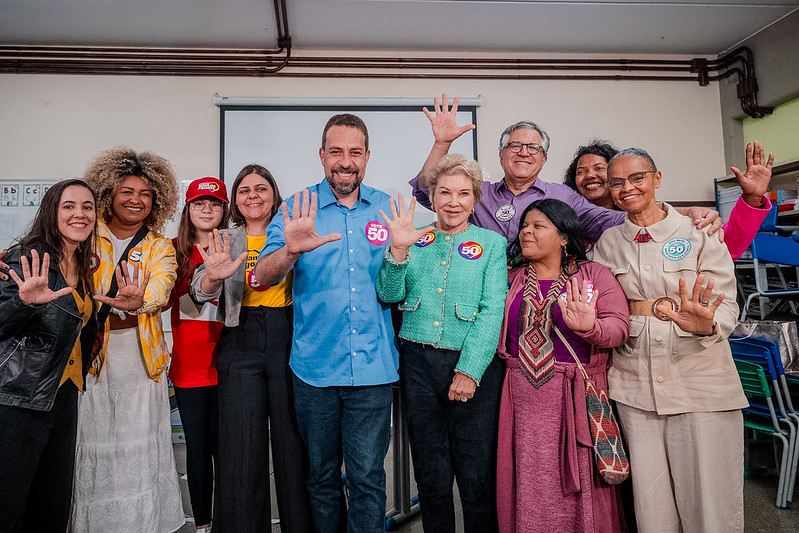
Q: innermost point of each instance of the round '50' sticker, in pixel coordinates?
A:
(426, 239)
(676, 249)
(470, 250)
(376, 233)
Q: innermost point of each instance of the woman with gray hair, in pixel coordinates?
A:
(674, 381)
(450, 281)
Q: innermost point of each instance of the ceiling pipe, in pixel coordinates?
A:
(278, 62)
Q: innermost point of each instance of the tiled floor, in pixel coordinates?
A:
(759, 510)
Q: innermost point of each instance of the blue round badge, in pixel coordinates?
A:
(676, 249)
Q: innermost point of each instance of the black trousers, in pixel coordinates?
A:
(198, 414)
(37, 462)
(451, 440)
(255, 394)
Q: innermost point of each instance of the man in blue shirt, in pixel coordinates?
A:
(343, 353)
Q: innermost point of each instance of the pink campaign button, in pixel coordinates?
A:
(377, 233)
(253, 283)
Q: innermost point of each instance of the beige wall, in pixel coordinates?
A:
(51, 125)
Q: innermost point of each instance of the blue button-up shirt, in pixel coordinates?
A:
(342, 334)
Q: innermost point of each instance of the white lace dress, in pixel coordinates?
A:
(125, 476)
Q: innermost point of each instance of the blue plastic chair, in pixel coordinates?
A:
(756, 386)
(766, 354)
(772, 250)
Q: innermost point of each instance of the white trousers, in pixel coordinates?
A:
(687, 470)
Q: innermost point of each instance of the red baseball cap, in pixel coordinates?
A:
(207, 186)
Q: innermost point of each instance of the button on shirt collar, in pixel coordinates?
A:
(659, 231)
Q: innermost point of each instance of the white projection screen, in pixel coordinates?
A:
(286, 137)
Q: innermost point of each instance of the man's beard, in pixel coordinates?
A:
(343, 188)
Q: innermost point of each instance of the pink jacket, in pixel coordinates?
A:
(740, 229)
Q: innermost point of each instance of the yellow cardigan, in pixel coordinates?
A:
(157, 256)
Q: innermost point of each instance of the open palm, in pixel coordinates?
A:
(218, 263)
(445, 129)
(579, 311)
(403, 232)
(33, 287)
(696, 314)
(131, 289)
(299, 231)
(754, 182)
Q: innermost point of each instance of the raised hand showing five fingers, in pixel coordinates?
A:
(33, 287)
(131, 290)
(695, 314)
(579, 311)
(754, 182)
(299, 231)
(218, 263)
(400, 225)
(445, 129)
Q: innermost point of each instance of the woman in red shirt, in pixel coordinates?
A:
(195, 333)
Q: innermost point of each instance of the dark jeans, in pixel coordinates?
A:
(198, 414)
(451, 439)
(256, 401)
(37, 449)
(353, 424)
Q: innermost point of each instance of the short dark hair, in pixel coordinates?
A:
(235, 215)
(350, 121)
(565, 221)
(603, 149)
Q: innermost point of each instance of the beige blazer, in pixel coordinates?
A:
(662, 368)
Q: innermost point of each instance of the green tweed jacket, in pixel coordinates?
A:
(451, 289)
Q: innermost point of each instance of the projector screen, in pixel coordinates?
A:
(286, 140)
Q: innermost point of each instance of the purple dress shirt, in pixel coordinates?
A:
(499, 209)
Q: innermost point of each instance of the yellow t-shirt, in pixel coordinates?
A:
(256, 295)
(74, 369)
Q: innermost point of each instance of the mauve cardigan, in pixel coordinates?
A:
(611, 329)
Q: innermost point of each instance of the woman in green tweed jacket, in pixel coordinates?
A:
(450, 281)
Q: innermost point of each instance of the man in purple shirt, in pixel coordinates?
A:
(523, 148)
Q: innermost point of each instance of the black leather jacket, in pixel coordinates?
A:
(36, 341)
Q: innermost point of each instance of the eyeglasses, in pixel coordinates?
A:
(532, 148)
(200, 205)
(636, 178)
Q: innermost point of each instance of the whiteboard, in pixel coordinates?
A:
(286, 140)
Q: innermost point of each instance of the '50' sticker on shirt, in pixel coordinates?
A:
(676, 249)
(470, 250)
(377, 233)
(427, 238)
(135, 256)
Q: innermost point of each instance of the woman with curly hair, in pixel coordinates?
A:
(125, 476)
(588, 173)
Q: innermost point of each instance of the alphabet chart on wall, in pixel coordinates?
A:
(19, 202)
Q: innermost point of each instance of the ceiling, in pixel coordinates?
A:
(707, 27)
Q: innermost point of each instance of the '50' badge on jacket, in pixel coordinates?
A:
(470, 250)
